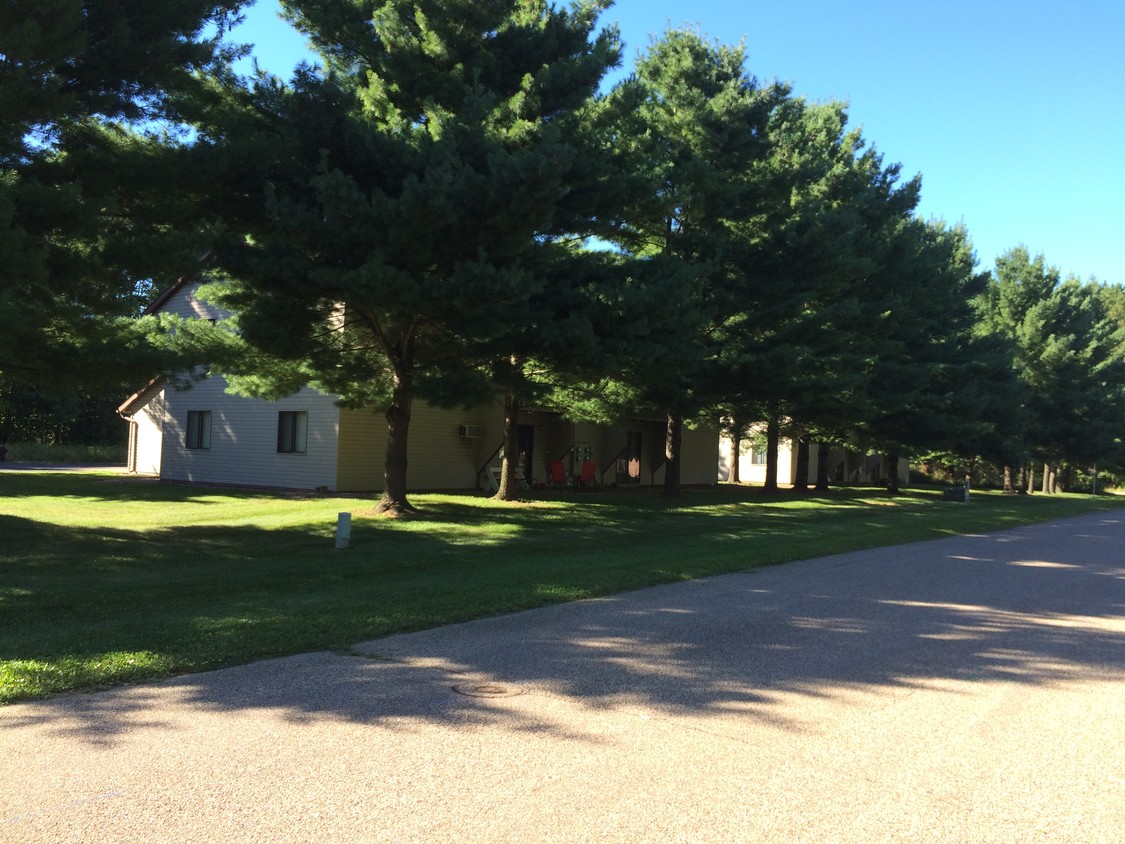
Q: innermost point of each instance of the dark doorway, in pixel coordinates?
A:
(629, 463)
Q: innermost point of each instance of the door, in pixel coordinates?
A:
(629, 463)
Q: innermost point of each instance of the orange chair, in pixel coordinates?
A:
(558, 475)
(588, 477)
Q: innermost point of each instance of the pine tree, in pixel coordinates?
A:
(91, 96)
(411, 186)
(1067, 346)
(791, 355)
(919, 325)
(696, 141)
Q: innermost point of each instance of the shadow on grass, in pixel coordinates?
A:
(1038, 605)
(108, 486)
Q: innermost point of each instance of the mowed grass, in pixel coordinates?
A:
(107, 580)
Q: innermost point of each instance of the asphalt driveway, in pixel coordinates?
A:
(967, 689)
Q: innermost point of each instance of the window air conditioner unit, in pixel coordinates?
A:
(469, 432)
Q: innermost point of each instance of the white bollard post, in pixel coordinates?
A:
(343, 530)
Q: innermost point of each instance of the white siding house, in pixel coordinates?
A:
(237, 438)
(843, 466)
(306, 441)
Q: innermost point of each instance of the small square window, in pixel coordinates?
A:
(292, 431)
(198, 433)
(758, 456)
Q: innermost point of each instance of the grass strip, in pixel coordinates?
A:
(106, 580)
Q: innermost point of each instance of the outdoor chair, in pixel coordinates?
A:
(588, 477)
(558, 478)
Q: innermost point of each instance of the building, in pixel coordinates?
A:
(844, 466)
(306, 441)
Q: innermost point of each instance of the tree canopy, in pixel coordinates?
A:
(91, 105)
(451, 206)
(413, 187)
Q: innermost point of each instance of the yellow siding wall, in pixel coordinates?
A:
(360, 451)
(438, 457)
(441, 459)
(699, 464)
(755, 473)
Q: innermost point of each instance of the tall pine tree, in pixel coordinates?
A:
(92, 94)
(697, 142)
(410, 186)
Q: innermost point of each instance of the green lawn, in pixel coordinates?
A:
(107, 580)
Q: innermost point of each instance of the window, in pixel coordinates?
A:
(198, 434)
(292, 431)
(758, 456)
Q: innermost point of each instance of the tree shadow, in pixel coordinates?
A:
(1039, 605)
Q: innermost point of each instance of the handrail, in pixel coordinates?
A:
(655, 469)
(624, 451)
(480, 471)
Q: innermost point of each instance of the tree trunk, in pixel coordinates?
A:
(1009, 484)
(394, 502)
(734, 476)
(890, 468)
(1067, 480)
(1046, 478)
(823, 455)
(1030, 478)
(672, 439)
(1053, 484)
(509, 487)
(801, 481)
(773, 437)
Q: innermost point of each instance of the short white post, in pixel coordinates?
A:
(968, 484)
(343, 530)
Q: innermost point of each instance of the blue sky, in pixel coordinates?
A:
(1013, 111)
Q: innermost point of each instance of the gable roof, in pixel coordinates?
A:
(140, 398)
(184, 280)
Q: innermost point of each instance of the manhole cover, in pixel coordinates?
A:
(486, 690)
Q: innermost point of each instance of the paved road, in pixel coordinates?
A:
(968, 689)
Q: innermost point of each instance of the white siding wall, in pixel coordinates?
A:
(244, 439)
(755, 473)
(186, 303)
(150, 433)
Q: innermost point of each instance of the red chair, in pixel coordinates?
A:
(558, 475)
(588, 477)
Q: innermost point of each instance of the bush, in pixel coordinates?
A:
(42, 453)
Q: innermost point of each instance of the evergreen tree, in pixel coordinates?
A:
(792, 355)
(91, 95)
(697, 143)
(1067, 354)
(920, 326)
(413, 186)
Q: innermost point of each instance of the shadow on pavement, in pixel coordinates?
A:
(1037, 605)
